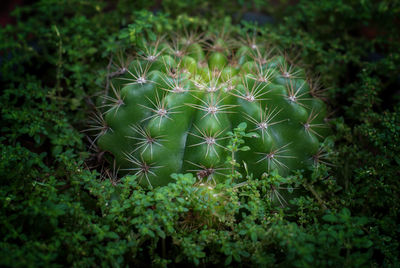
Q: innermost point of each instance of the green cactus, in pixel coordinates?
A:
(169, 109)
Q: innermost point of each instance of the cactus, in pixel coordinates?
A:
(169, 110)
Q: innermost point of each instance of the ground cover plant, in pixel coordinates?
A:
(63, 204)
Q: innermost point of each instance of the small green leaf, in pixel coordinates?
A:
(228, 260)
(345, 212)
(161, 234)
(242, 126)
(92, 50)
(252, 135)
(244, 148)
(330, 218)
(253, 236)
(236, 256)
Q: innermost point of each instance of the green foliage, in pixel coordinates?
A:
(146, 26)
(236, 140)
(56, 212)
(338, 240)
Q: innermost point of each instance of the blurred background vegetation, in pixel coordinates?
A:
(55, 211)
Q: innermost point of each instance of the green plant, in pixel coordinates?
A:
(169, 109)
(55, 212)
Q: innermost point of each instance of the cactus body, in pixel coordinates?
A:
(170, 109)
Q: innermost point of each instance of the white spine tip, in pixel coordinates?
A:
(141, 80)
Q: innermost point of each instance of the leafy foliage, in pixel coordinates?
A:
(57, 212)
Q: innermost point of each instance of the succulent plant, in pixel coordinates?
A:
(170, 107)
